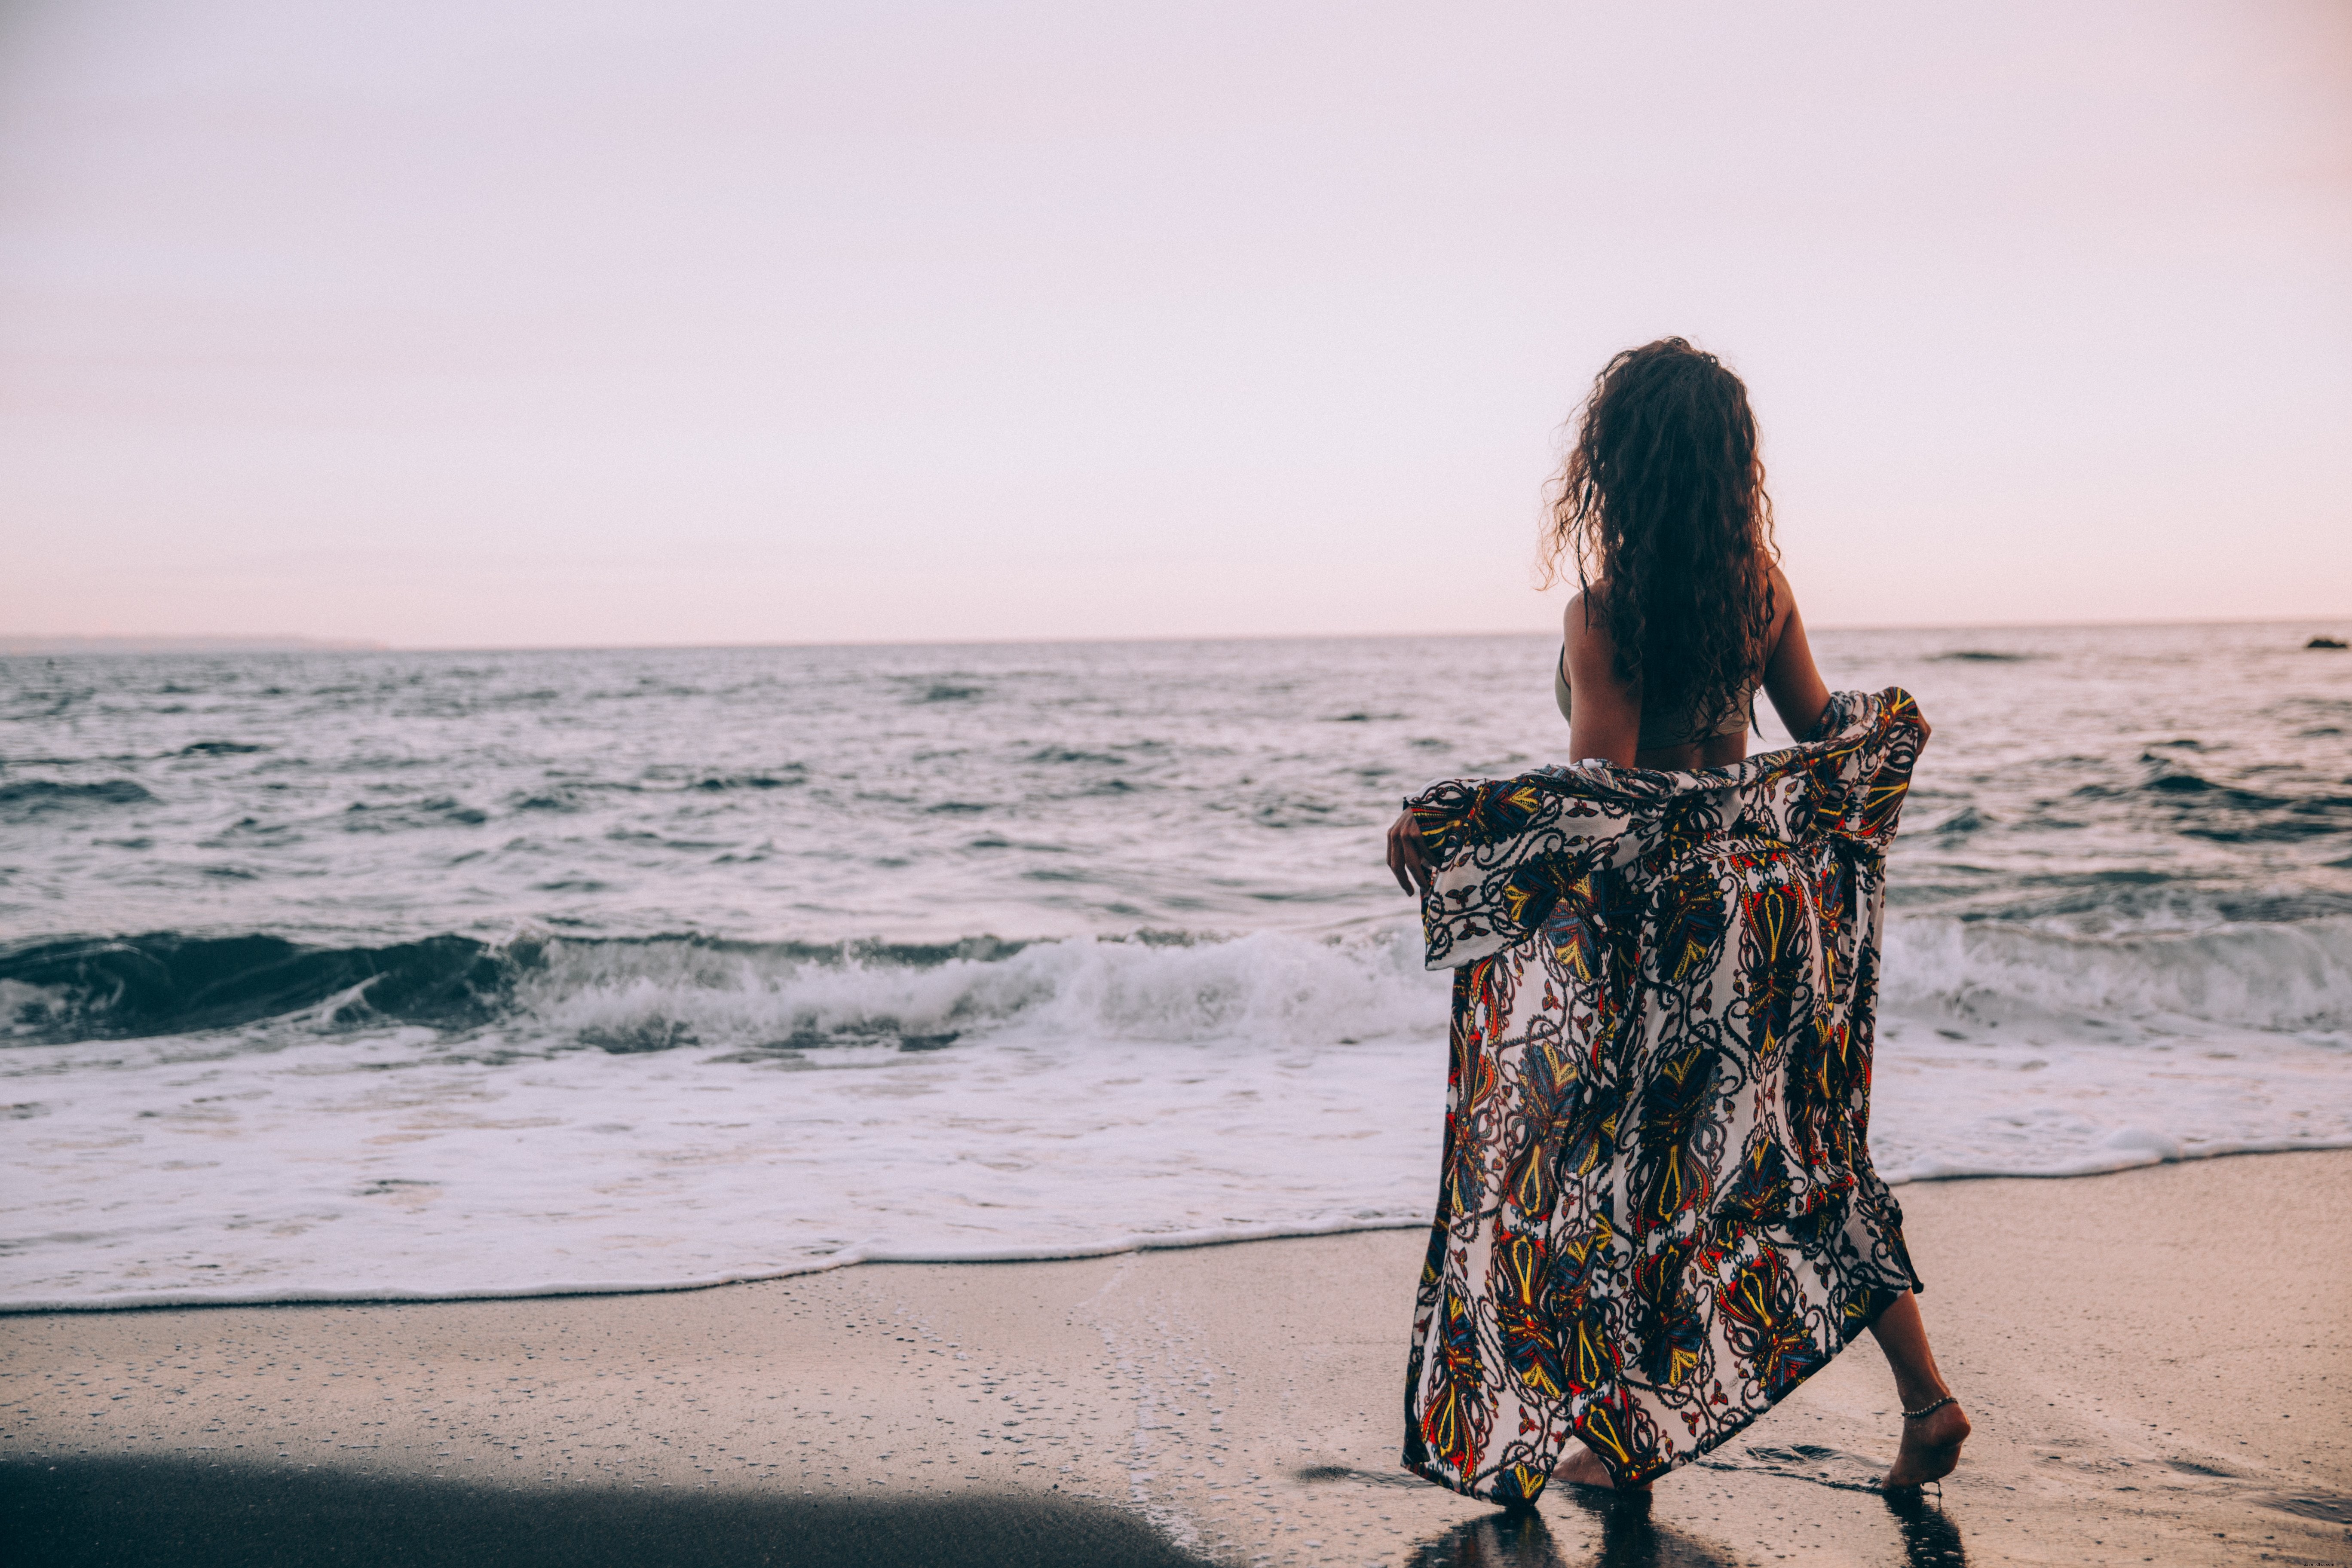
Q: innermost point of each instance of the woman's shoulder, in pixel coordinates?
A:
(1784, 599)
(1590, 651)
(1583, 624)
(1586, 609)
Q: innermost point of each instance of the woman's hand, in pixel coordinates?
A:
(1404, 855)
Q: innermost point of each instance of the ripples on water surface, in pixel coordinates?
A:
(372, 973)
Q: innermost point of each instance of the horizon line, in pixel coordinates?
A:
(39, 645)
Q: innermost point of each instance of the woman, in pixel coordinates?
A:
(1658, 1213)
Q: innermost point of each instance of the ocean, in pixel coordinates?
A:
(368, 975)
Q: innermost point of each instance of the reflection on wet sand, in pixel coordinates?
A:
(1930, 1540)
(1630, 1538)
(1518, 1538)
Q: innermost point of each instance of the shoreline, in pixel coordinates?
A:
(1182, 1241)
(1179, 1241)
(2153, 1361)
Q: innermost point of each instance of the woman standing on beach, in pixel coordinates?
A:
(1657, 1213)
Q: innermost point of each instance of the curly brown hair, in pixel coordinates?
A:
(1661, 506)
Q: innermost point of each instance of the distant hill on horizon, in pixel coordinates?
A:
(38, 644)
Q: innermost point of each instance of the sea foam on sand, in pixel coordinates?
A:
(1073, 1098)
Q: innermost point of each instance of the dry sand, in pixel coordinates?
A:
(2157, 1364)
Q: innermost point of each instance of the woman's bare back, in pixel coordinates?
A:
(1605, 718)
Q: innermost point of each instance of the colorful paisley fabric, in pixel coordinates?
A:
(1657, 1213)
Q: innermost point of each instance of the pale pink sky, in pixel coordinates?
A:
(514, 322)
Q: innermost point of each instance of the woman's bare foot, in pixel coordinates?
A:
(1581, 1465)
(1931, 1447)
(1931, 1443)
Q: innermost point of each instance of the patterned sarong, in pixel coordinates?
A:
(1656, 1213)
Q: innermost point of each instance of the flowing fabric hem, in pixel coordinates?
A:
(1622, 1479)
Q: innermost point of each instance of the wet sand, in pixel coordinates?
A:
(2158, 1364)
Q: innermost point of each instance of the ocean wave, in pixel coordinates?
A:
(778, 998)
(656, 994)
(1268, 986)
(30, 798)
(664, 1113)
(165, 982)
(2203, 808)
(2273, 976)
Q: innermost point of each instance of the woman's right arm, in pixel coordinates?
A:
(1792, 682)
(1604, 713)
(1604, 721)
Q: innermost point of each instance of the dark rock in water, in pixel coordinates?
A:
(2327, 642)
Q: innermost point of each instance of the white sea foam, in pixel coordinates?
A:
(390, 1166)
(2257, 976)
(1098, 1096)
(1268, 986)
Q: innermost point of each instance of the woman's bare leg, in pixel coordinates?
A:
(1931, 1446)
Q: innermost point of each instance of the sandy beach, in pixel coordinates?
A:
(2157, 1362)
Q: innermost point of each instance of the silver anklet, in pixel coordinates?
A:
(1927, 1410)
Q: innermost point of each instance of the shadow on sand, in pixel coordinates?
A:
(104, 1512)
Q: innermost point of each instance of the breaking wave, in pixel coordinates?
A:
(2284, 976)
(654, 993)
(641, 994)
